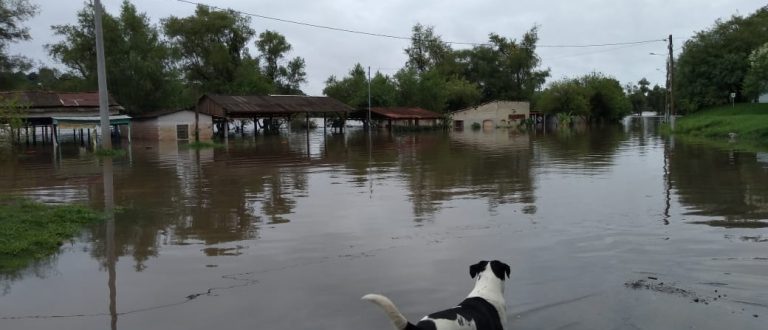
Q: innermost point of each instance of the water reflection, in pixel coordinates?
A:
(720, 183)
(265, 207)
(109, 208)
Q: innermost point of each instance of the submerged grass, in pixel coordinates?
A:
(204, 145)
(748, 121)
(30, 231)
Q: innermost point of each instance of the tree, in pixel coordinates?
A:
(505, 68)
(756, 81)
(715, 62)
(212, 49)
(12, 14)
(606, 98)
(594, 96)
(563, 96)
(273, 48)
(287, 79)
(140, 71)
(352, 89)
(11, 116)
(427, 50)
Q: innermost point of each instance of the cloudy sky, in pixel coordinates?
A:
(561, 22)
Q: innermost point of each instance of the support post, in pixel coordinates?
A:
(54, 135)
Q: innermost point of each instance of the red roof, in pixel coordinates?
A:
(406, 113)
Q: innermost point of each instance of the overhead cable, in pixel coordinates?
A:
(382, 35)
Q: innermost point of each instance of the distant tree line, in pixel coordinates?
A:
(152, 67)
(168, 65)
(437, 77)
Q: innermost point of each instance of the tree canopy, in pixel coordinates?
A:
(594, 96)
(13, 13)
(715, 62)
(439, 78)
(140, 72)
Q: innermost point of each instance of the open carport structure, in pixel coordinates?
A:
(267, 111)
(402, 117)
(47, 110)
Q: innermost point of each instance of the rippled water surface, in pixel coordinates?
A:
(613, 228)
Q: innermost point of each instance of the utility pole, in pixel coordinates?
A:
(369, 98)
(106, 133)
(671, 74)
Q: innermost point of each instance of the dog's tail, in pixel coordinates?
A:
(398, 320)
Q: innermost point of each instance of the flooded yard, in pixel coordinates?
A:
(613, 228)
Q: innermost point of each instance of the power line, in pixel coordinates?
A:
(389, 36)
(590, 53)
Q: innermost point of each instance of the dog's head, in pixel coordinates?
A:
(498, 268)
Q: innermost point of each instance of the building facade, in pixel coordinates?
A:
(492, 115)
(177, 125)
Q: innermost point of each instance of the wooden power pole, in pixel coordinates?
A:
(671, 77)
(106, 132)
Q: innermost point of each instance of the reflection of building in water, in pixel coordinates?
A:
(491, 115)
(494, 166)
(496, 140)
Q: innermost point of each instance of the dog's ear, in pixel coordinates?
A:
(506, 269)
(477, 268)
(500, 269)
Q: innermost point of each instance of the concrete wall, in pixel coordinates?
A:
(493, 114)
(163, 128)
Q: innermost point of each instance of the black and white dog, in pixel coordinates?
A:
(483, 309)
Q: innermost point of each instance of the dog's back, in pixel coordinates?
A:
(476, 312)
(472, 313)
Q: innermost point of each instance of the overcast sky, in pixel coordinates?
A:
(561, 22)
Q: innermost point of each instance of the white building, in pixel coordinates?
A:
(172, 125)
(492, 115)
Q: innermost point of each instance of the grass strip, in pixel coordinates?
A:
(30, 230)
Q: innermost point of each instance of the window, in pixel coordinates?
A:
(458, 124)
(182, 132)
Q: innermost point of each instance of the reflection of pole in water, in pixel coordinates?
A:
(109, 206)
(370, 163)
(667, 184)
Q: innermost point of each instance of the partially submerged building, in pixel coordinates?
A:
(172, 125)
(492, 115)
(52, 112)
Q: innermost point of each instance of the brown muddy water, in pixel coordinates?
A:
(617, 228)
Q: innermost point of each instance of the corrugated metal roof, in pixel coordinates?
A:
(40, 99)
(406, 113)
(258, 104)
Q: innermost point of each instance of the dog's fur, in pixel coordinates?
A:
(483, 309)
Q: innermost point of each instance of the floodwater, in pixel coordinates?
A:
(613, 228)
